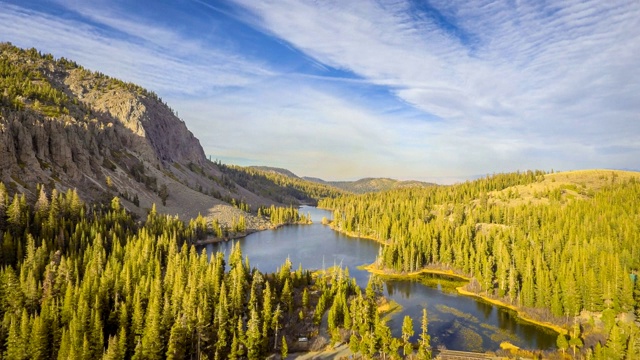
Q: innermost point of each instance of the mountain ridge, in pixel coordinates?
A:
(370, 184)
(360, 186)
(70, 128)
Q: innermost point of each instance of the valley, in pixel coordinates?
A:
(120, 239)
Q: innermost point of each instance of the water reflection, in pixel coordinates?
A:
(458, 322)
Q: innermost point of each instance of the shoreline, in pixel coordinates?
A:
(520, 313)
(215, 240)
(390, 273)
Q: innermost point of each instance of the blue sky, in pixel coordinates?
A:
(430, 90)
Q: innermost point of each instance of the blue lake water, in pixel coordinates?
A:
(455, 321)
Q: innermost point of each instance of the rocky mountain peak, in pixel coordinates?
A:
(66, 127)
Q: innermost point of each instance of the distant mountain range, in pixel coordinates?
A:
(358, 186)
(371, 184)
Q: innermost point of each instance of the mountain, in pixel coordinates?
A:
(279, 184)
(67, 127)
(275, 170)
(359, 186)
(367, 185)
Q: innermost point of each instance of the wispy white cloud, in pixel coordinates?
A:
(461, 88)
(531, 68)
(152, 56)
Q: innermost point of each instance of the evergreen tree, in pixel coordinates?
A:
(113, 350)
(575, 341)
(16, 344)
(562, 343)
(284, 349)
(407, 333)
(254, 338)
(152, 339)
(424, 345)
(616, 344)
(177, 346)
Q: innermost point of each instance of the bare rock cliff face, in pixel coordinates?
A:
(66, 127)
(156, 133)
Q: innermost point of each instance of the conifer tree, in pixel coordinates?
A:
(284, 349)
(254, 339)
(177, 346)
(152, 339)
(305, 299)
(286, 298)
(16, 345)
(407, 333)
(575, 341)
(424, 345)
(113, 350)
(616, 344)
(562, 343)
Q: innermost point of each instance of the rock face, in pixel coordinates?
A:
(144, 115)
(66, 127)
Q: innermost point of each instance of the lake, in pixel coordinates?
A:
(455, 321)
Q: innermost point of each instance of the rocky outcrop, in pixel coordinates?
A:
(156, 134)
(66, 127)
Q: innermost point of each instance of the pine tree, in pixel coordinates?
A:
(152, 339)
(407, 333)
(286, 298)
(41, 206)
(384, 338)
(616, 344)
(562, 343)
(16, 344)
(254, 339)
(113, 350)
(284, 349)
(424, 346)
(96, 336)
(354, 343)
(235, 344)
(575, 341)
(305, 299)
(15, 216)
(177, 346)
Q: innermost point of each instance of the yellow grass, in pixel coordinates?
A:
(505, 345)
(520, 313)
(389, 307)
(374, 270)
(523, 316)
(584, 181)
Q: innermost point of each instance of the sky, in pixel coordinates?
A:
(439, 90)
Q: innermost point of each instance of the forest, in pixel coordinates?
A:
(562, 251)
(282, 188)
(80, 281)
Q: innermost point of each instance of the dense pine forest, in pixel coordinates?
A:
(285, 189)
(562, 247)
(88, 282)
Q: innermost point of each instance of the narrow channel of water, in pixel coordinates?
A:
(455, 321)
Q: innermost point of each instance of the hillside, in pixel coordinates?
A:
(279, 184)
(275, 170)
(370, 184)
(67, 127)
(561, 248)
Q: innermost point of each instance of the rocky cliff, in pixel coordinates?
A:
(66, 127)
